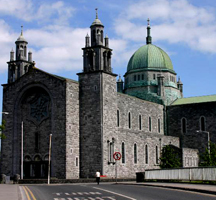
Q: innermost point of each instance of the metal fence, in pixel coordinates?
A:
(190, 174)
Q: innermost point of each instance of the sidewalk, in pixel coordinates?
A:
(9, 191)
(203, 188)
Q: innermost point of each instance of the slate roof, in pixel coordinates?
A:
(193, 100)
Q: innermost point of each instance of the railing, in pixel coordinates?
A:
(190, 174)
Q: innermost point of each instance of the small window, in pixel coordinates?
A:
(142, 76)
(159, 128)
(140, 122)
(184, 125)
(202, 124)
(117, 118)
(157, 159)
(154, 76)
(123, 152)
(77, 161)
(129, 120)
(150, 124)
(134, 77)
(138, 77)
(95, 87)
(146, 154)
(135, 154)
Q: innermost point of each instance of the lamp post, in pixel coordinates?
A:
(21, 150)
(200, 131)
(50, 145)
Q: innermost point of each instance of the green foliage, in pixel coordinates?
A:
(2, 127)
(169, 158)
(208, 158)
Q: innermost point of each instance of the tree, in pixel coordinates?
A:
(208, 158)
(170, 157)
(2, 127)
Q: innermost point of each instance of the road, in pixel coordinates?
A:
(107, 191)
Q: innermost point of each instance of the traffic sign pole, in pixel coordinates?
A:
(116, 156)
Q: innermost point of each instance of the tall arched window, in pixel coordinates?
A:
(140, 122)
(156, 156)
(146, 154)
(159, 128)
(117, 118)
(150, 124)
(202, 124)
(135, 154)
(129, 120)
(123, 152)
(184, 125)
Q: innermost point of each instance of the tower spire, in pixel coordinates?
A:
(148, 38)
(22, 30)
(96, 13)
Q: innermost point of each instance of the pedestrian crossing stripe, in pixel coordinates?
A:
(86, 198)
(78, 193)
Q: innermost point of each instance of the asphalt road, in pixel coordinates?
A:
(108, 191)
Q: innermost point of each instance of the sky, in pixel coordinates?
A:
(56, 30)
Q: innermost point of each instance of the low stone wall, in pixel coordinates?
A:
(187, 174)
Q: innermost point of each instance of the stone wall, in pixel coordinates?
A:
(72, 129)
(131, 136)
(192, 114)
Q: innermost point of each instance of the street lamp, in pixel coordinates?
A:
(50, 145)
(200, 131)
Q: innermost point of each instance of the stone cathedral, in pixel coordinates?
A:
(100, 114)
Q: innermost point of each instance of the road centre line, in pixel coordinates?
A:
(115, 193)
(31, 193)
(26, 193)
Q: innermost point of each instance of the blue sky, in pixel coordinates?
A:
(56, 30)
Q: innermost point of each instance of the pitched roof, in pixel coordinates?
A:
(193, 100)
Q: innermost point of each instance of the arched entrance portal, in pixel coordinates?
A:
(35, 112)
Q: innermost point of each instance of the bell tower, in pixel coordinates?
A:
(19, 65)
(97, 56)
(97, 98)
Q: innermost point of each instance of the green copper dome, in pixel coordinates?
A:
(150, 57)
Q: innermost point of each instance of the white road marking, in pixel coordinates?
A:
(58, 194)
(69, 198)
(91, 198)
(86, 193)
(99, 198)
(91, 192)
(67, 194)
(115, 193)
(97, 193)
(80, 193)
(111, 198)
(74, 193)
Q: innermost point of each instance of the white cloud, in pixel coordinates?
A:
(175, 21)
(56, 13)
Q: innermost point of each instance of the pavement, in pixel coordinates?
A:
(12, 191)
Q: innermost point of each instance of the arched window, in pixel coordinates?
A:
(150, 125)
(123, 152)
(134, 77)
(202, 124)
(129, 120)
(138, 77)
(117, 118)
(135, 154)
(184, 125)
(146, 154)
(101, 36)
(37, 141)
(140, 122)
(156, 156)
(159, 128)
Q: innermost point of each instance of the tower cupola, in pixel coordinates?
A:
(20, 65)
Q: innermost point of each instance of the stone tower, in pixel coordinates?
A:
(97, 98)
(20, 65)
